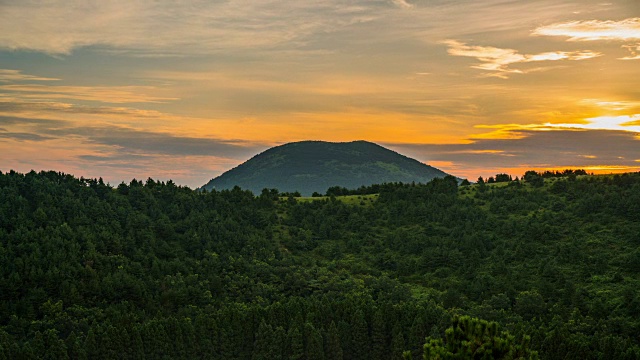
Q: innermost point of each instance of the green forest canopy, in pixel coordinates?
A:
(154, 270)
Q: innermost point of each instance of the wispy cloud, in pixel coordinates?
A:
(106, 94)
(627, 30)
(22, 136)
(624, 123)
(629, 123)
(499, 60)
(168, 28)
(615, 105)
(10, 75)
(403, 4)
(594, 150)
(592, 30)
(117, 152)
(16, 106)
(634, 50)
(130, 140)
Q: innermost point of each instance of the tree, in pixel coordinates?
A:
(295, 347)
(333, 350)
(360, 336)
(313, 343)
(265, 346)
(533, 178)
(472, 338)
(503, 178)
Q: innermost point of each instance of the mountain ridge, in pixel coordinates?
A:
(314, 166)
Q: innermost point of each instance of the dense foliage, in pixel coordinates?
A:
(154, 270)
(471, 338)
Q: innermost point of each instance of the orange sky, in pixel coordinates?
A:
(187, 90)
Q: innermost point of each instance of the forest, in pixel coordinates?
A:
(547, 265)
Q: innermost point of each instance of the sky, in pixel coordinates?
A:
(185, 90)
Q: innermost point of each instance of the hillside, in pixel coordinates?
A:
(314, 166)
(151, 270)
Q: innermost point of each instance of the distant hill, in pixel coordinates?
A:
(315, 166)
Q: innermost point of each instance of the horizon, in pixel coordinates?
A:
(472, 180)
(187, 91)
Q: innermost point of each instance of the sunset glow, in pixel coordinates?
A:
(188, 90)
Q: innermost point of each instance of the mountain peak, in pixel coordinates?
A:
(314, 166)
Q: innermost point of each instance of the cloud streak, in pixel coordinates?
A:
(168, 28)
(16, 106)
(11, 75)
(499, 60)
(594, 150)
(133, 141)
(106, 94)
(593, 30)
(627, 30)
(403, 4)
(619, 123)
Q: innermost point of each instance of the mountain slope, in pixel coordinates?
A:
(310, 166)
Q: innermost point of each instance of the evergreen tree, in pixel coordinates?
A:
(313, 343)
(471, 338)
(360, 336)
(264, 347)
(346, 340)
(333, 349)
(397, 342)
(295, 347)
(379, 336)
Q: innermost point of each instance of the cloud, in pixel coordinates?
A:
(117, 153)
(152, 28)
(615, 105)
(133, 141)
(598, 30)
(403, 4)
(16, 106)
(155, 143)
(634, 50)
(106, 94)
(9, 75)
(22, 136)
(594, 150)
(625, 123)
(629, 123)
(592, 30)
(499, 60)
(15, 120)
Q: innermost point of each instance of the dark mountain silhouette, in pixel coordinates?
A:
(314, 166)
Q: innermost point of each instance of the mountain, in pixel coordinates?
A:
(315, 166)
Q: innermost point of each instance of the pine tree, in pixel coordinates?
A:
(333, 350)
(280, 343)
(263, 348)
(398, 344)
(379, 338)
(74, 348)
(91, 344)
(346, 339)
(471, 338)
(137, 346)
(295, 347)
(56, 349)
(313, 343)
(360, 336)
